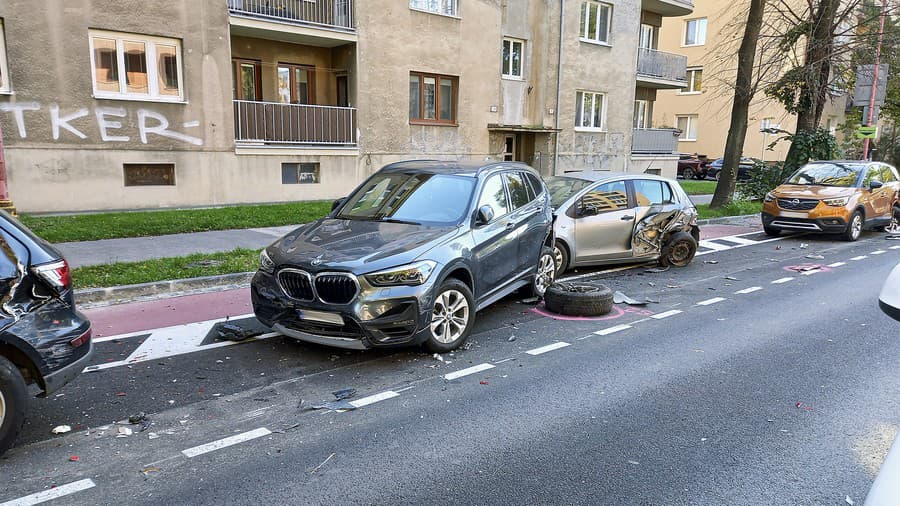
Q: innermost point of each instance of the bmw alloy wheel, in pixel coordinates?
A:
(546, 272)
(450, 316)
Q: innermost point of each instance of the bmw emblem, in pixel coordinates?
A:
(317, 260)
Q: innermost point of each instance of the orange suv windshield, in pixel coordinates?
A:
(827, 174)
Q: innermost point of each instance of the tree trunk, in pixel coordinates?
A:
(743, 94)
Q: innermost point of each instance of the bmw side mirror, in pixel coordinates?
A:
(337, 203)
(484, 215)
(874, 185)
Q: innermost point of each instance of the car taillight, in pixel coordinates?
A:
(55, 274)
(81, 340)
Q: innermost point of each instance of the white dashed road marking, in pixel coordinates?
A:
(709, 302)
(470, 370)
(837, 264)
(878, 252)
(372, 399)
(861, 257)
(737, 240)
(895, 247)
(667, 314)
(226, 442)
(549, 347)
(53, 493)
(749, 290)
(612, 330)
(714, 246)
(782, 280)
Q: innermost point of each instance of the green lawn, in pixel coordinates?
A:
(737, 208)
(192, 266)
(90, 227)
(693, 187)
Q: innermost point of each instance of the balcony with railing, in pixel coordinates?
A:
(654, 141)
(661, 70)
(335, 15)
(262, 123)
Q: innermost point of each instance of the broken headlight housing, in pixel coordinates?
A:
(406, 275)
(265, 263)
(836, 202)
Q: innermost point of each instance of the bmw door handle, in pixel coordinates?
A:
(626, 218)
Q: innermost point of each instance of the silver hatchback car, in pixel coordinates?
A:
(608, 217)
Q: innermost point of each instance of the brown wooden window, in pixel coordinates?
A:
(247, 79)
(432, 98)
(296, 84)
(149, 174)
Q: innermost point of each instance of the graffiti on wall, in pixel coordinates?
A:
(109, 124)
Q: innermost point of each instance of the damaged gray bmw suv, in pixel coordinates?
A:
(410, 257)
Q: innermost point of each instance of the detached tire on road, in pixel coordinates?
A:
(13, 395)
(578, 299)
(679, 250)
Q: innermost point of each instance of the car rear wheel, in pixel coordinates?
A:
(688, 173)
(451, 317)
(13, 396)
(854, 227)
(679, 250)
(545, 273)
(561, 258)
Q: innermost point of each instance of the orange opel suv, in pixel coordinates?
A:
(841, 197)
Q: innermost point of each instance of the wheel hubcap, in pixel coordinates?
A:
(558, 257)
(546, 271)
(450, 316)
(679, 252)
(2, 408)
(857, 226)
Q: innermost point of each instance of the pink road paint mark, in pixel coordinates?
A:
(617, 312)
(136, 316)
(807, 267)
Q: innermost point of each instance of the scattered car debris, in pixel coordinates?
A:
(137, 418)
(232, 332)
(74, 458)
(530, 300)
(815, 257)
(803, 245)
(344, 394)
(483, 382)
(710, 261)
(657, 270)
(731, 278)
(578, 299)
(61, 429)
(124, 432)
(315, 469)
(511, 338)
(619, 298)
(777, 247)
(849, 500)
(152, 435)
(151, 469)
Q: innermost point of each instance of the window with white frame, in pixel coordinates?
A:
(4, 69)
(694, 80)
(643, 111)
(445, 7)
(647, 39)
(138, 67)
(688, 126)
(595, 21)
(513, 58)
(590, 110)
(695, 32)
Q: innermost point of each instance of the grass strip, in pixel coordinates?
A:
(92, 227)
(164, 269)
(736, 208)
(698, 187)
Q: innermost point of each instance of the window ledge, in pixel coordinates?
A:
(432, 123)
(591, 130)
(129, 98)
(693, 45)
(690, 92)
(512, 78)
(7, 92)
(687, 140)
(451, 16)
(595, 42)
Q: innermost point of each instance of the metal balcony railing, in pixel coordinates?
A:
(662, 65)
(275, 123)
(656, 141)
(326, 13)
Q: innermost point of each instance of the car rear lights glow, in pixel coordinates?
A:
(55, 274)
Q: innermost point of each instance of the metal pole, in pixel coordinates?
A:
(865, 153)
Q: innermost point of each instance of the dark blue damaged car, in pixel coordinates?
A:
(44, 341)
(410, 257)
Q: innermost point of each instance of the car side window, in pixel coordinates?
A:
(528, 186)
(518, 194)
(536, 184)
(887, 174)
(494, 194)
(606, 197)
(872, 174)
(649, 193)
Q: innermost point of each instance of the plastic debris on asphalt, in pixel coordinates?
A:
(803, 245)
(124, 432)
(232, 332)
(344, 394)
(710, 261)
(61, 429)
(530, 300)
(619, 298)
(74, 458)
(815, 257)
(323, 463)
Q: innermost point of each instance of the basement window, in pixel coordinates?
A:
(300, 173)
(149, 174)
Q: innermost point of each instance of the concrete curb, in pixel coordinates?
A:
(159, 289)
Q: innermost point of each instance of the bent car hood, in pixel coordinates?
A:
(356, 246)
(801, 191)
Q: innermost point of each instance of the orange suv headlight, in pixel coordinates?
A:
(836, 202)
(770, 197)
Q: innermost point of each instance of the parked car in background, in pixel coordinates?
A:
(691, 167)
(604, 218)
(410, 257)
(745, 168)
(44, 340)
(840, 197)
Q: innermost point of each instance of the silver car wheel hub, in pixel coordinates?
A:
(857, 226)
(2, 408)
(450, 316)
(545, 273)
(557, 257)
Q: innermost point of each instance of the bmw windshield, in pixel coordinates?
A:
(421, 199)
(561, 188)
(828, 174)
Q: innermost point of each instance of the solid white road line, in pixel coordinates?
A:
(781, 280)
(878, 252)
(182, 327)
(714, 246)
(861, 257)
(837, 264)
(667, 314)
(53, 493)
(470, 370)
(709, 302)
(748, 290)
(226, 442)
(737, 240)
(549, 347)
(611, 330)
(372, 399)
(811, 272)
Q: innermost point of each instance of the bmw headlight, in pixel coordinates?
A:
(836, 202)
(408, 275)
(265, 263)
(770, 197)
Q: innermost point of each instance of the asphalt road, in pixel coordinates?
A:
(747, 383)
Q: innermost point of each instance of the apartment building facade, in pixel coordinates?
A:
(701, 110)
(216, 102)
